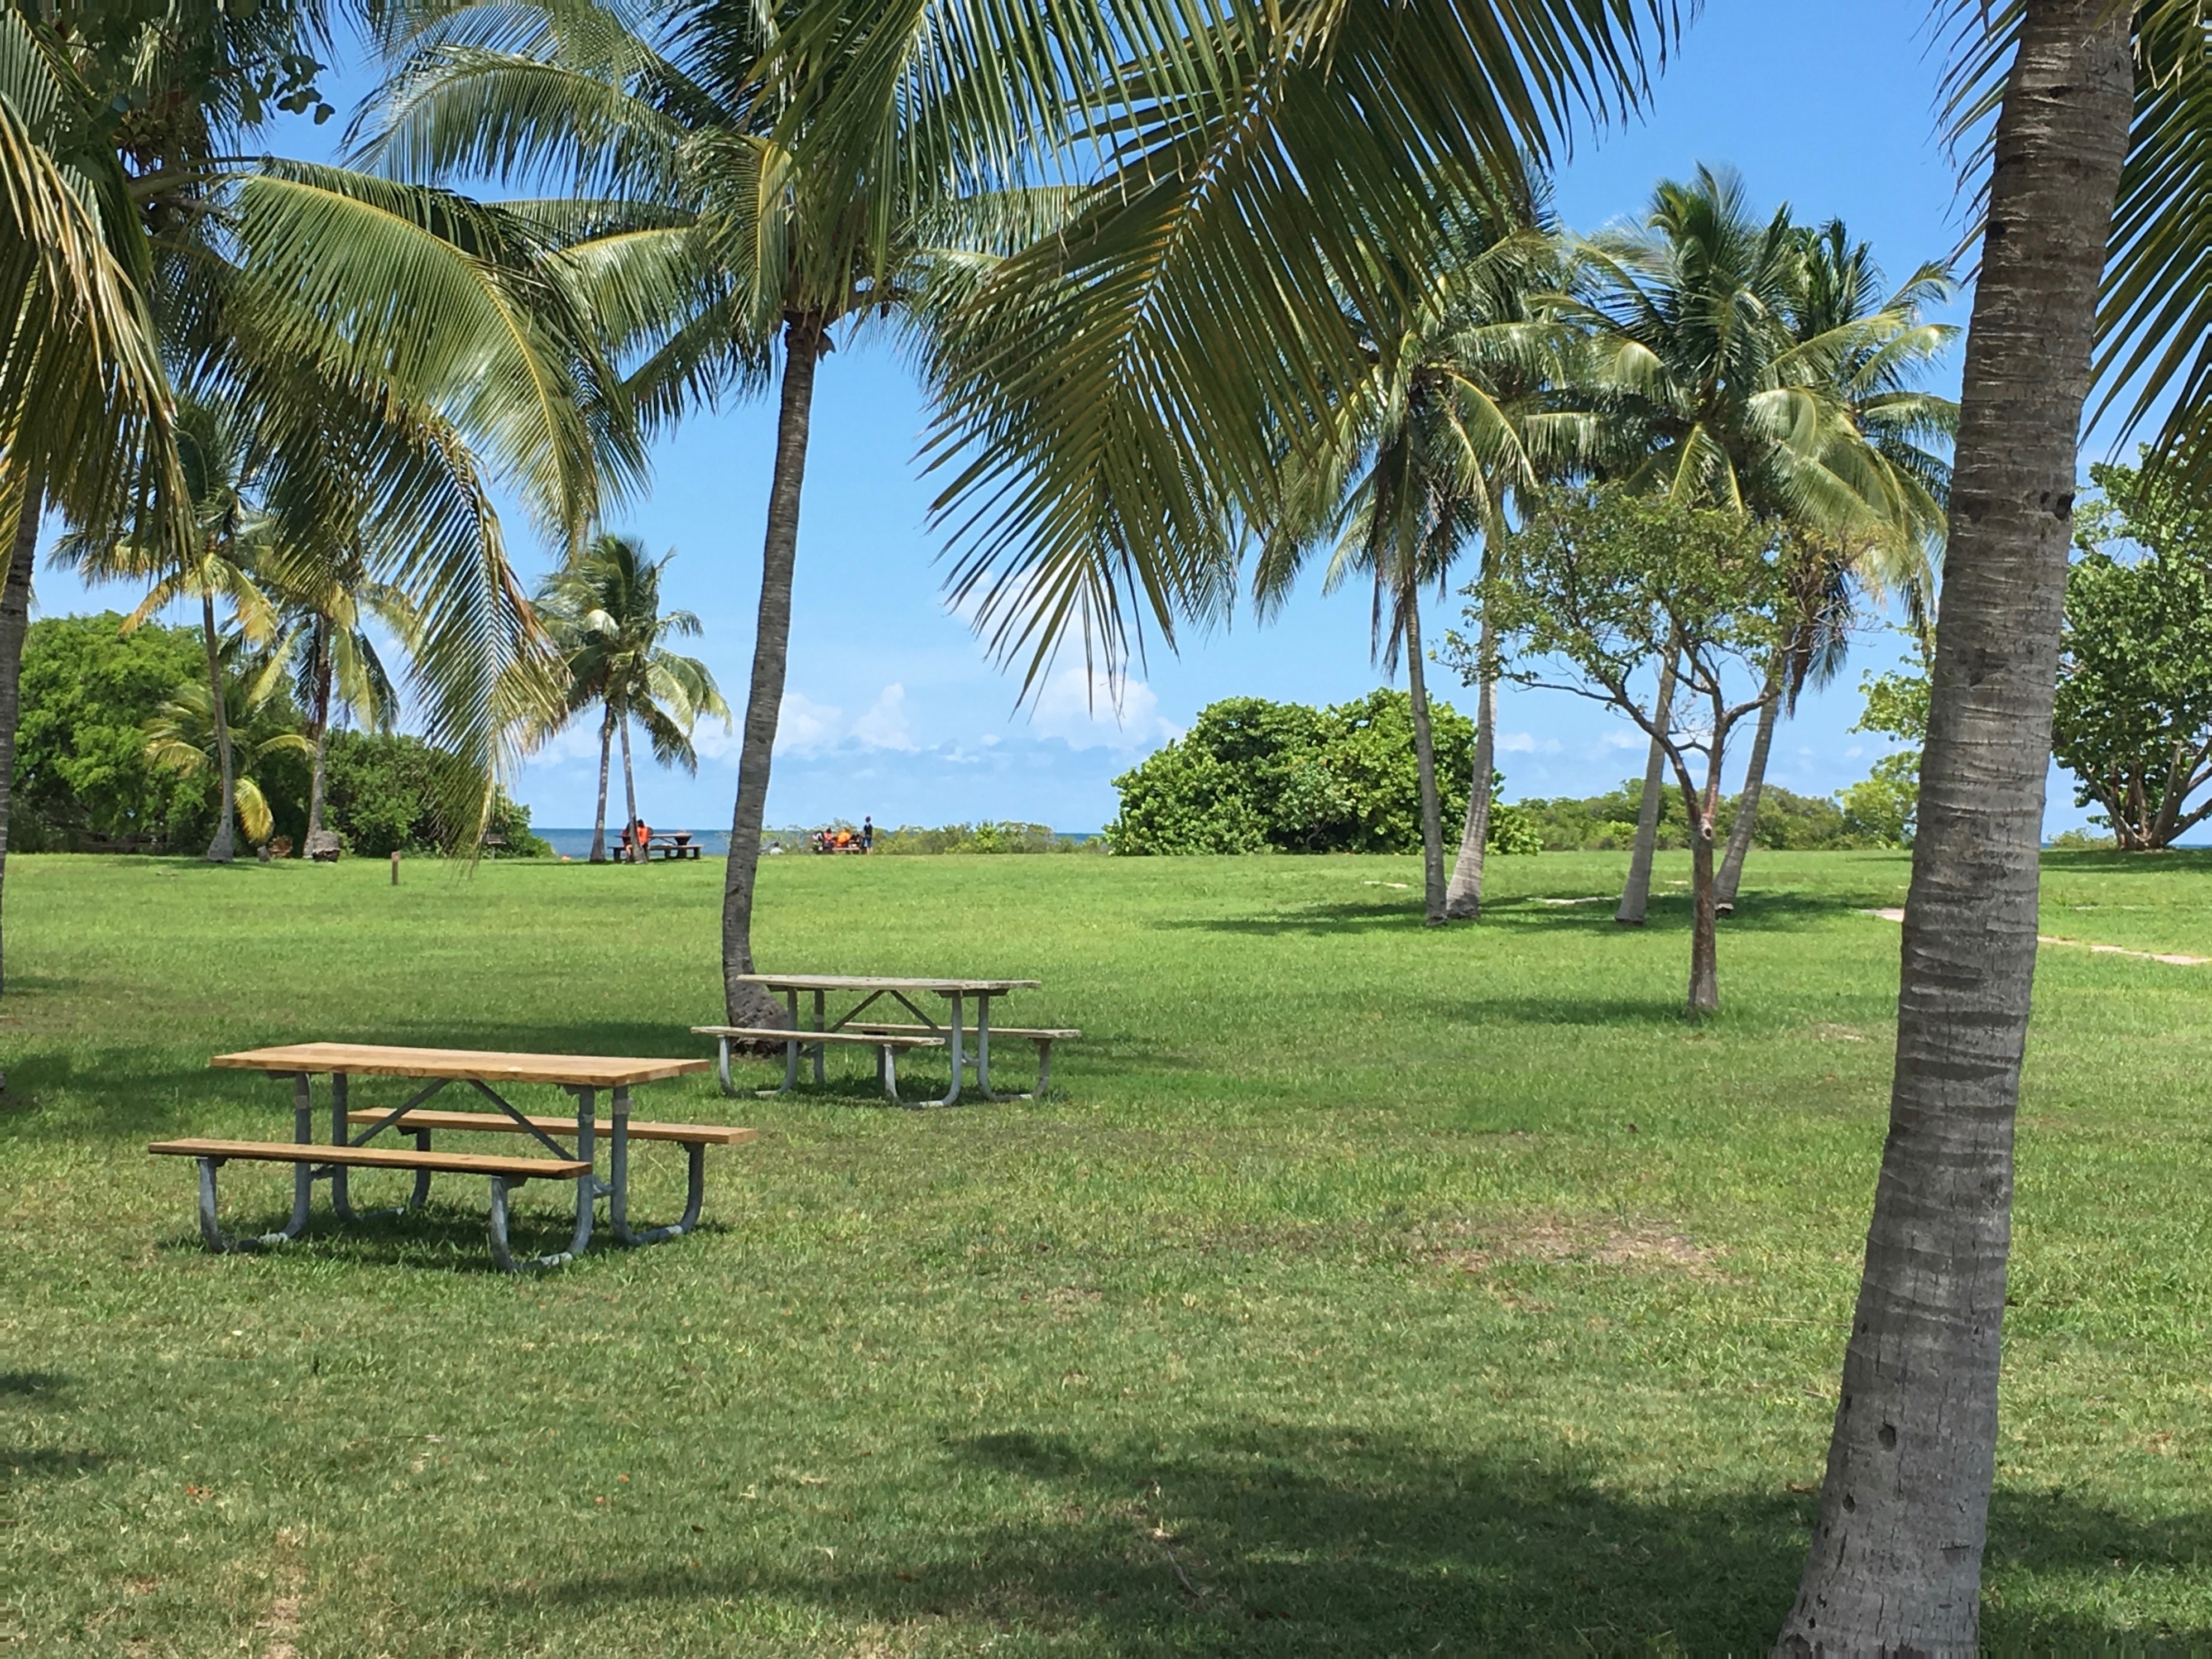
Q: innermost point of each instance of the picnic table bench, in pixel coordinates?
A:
(887, 1040)
(678, 844)
(582, 1076)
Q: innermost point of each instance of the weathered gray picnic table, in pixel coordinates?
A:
(887, 1040)
(582, 1076)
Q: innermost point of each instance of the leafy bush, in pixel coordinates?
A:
(382, 792)
(1788, 822)
(1255, 777)
(82, 778)
(1004, 837)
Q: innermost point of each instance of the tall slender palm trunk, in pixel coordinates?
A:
(599, 812)
(1425, 763)
(1464, 894)
(1746, 804)
(1896, 1558)
(631, 854)
(14, 622)
(1637, 894)
(748, 1004)
(318, 779)
(224, 848)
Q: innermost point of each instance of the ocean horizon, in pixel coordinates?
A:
(576, 843)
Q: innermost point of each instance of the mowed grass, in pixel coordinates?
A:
(1363, 1289)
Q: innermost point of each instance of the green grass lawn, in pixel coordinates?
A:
(1363, 1289)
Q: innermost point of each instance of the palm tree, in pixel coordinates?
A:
(1873, 346)
(193, 730)
(1261, 165)
(1460, 414)
(602, 611)
(216, 566)
(715, 257)
(1731, 376)
(327, 598)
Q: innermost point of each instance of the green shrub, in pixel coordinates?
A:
(82, 778)
(382, 797)
(1003, 837)
(1255, 777)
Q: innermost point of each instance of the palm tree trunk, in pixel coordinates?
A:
(629, 798)
(1746, 804)
(318, 777)
(1463, 896)
(1638, 893)
(14, 622)
(599, 813)
(748, 1004)
(224, 847)
(1425, 762)
(1895, 1565)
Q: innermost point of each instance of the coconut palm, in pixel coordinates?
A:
(602, 611)
(1260, 167)
(715, 261)
(216, 567)
(327, 598)
(1873, 346)
(1733, 365)
(247, 722)
(1462, 412)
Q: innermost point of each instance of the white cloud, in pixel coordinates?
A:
(1626, 740)
(1088, 714)
(1526, 742)
(885, 726)
(802, 726)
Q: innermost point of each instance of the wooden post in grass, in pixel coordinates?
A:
(395, 867)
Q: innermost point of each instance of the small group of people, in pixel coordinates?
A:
(636, 841)
(846, 839)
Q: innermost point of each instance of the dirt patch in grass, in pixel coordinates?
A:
(1632, 1246)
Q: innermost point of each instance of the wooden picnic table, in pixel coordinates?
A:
(582, 1076)
(676, 844)
(870, 988)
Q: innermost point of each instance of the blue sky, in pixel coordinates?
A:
(893, 709)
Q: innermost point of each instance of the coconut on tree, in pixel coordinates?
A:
(602, 611)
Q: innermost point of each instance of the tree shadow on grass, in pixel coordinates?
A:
(1668, 912)
(1301, 1540)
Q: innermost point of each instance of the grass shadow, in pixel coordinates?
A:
(1296, 1539)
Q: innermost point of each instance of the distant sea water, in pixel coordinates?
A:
(714, 843)
(577, 843)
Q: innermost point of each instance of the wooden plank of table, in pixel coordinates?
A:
(874, 982)
(462, 1065)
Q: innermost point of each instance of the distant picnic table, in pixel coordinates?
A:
(677, 844)
(582, 1076)
(888, 1040)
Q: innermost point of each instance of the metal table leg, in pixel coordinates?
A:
(341, 1199)
(618, 1175)
(588, 1194)
(952, 1094)
(821, 1049)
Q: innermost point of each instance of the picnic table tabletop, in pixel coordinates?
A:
(461, 1065)
(875, 983)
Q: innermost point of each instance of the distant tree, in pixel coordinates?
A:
(213, 562)
(327, 596)
(602, 611)
(1884, 807)
(188, 736)
(81, 772)
(1255, 777)
(2134, 717)
(1606, 587)
(387, 793)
